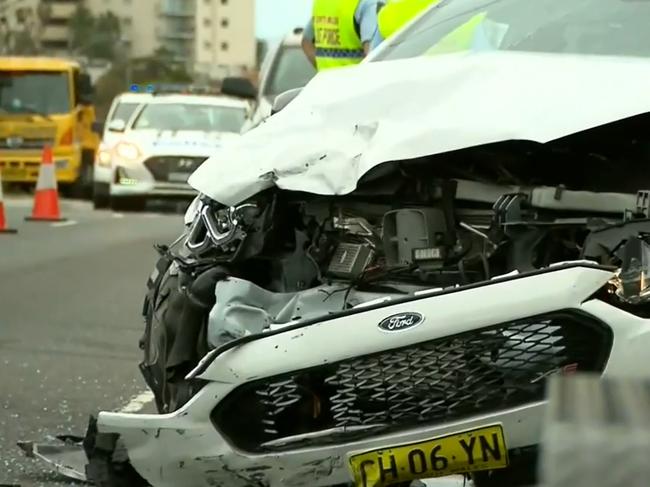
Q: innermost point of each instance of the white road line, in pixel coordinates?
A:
(138, 402)
(18, 203)
(65, 224)
(118, 215)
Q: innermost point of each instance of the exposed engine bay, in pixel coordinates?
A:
(371, 205)
(410, 227)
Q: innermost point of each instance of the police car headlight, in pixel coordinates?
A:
(104, 158)
(127, 150)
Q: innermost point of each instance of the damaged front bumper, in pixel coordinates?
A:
(485, 351)
(64, 454)
(172, 450)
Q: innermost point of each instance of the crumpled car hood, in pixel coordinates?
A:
(348, 121)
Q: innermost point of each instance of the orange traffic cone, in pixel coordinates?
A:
(46, 199)
(3, 220)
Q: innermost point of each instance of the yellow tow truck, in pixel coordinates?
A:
(47, 101)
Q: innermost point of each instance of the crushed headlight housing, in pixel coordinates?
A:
(223, 229)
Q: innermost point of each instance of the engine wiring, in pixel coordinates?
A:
(362, 279)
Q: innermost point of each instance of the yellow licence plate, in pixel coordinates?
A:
(10, 173)
(470, 451)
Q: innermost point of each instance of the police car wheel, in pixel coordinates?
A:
(128, 203)
(82, 188)
(101, 196)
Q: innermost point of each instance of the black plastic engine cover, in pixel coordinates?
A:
(176, 312)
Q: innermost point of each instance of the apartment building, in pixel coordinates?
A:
(215, 37)
(176, 29)
(30, 24)
(138, 20)
(45, 21)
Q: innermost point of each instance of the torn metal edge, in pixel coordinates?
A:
(31, 451)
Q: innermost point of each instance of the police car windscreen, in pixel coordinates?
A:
(590, 27)
(179, 116)
(123, 111)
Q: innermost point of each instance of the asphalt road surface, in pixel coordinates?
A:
(70, 301)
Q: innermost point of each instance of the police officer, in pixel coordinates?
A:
(340, 32)
(397, 13)
(478, 33)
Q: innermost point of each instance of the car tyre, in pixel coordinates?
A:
(128, 203)
(101, 196)
(108, 460)
(107, 472)
(82, 188)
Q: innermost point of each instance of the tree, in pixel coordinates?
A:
(108, 86)
(262, 48)
(95, 37)
(82, 25)
(161, 67)
(156, 69)
(23, 38)
(24, 44)
(108, 34)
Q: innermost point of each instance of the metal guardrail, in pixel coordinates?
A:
(597, 433)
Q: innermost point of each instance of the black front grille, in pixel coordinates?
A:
(447, 379)
(162, 167)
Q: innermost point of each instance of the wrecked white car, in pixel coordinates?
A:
(376, 286)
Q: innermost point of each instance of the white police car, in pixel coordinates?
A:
(117, 119)
(165, 140)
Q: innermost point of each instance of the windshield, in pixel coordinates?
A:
(43, 93)
(600, 27)
(180, 116)
(291, 69)
(123, 111)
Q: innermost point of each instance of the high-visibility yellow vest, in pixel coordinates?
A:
(459, 39)
(336, 39)
(396, 13)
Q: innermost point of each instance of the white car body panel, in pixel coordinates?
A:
(452, 316)
(351, 120)
(185, 448)
(102, 173)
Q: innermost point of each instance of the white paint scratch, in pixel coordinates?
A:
(68, 223)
